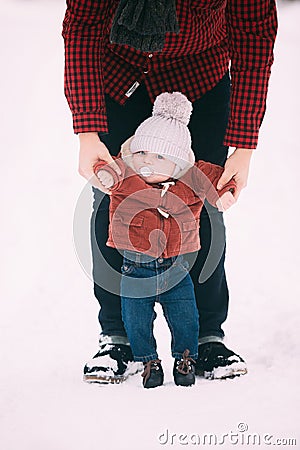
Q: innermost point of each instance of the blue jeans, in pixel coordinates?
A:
(146, 280)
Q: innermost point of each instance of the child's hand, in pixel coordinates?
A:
(106, 179)
(225, 201)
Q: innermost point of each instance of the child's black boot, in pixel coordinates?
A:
(184, 370)
(153, 374)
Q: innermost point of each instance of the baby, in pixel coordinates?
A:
(155, 206)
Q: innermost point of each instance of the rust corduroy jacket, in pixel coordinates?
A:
(160, 219)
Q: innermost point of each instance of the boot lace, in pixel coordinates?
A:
(148, 367)
(184, 364)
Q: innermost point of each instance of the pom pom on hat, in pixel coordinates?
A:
(173, 105)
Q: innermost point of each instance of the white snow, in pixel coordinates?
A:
(48, 314)
(103, 361)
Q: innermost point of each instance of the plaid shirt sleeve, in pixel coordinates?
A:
(252, 27)
(82, 31)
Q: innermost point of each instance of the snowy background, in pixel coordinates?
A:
(48, 314)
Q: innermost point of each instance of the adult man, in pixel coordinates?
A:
(119, 57)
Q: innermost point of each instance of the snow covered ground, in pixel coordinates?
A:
(48, 313)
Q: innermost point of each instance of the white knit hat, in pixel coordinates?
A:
(166, 131)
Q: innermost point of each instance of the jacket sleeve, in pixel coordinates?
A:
(251, 27)
(118, 179)
(204, 180)
(82, 32)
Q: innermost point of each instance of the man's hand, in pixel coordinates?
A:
(92, 150)
(237, 167)
(225, 201)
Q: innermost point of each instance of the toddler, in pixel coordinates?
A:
(155, 206)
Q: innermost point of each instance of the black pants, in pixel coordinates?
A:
(207, 126)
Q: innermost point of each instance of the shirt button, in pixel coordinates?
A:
(160, 260)
(150, 56)
(145, 71)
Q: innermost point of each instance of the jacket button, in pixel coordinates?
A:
(160, 260)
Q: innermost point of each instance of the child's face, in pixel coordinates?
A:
(154, 168)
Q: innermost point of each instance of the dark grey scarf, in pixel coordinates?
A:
(143, 24)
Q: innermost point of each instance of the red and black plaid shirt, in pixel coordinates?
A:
(212, 34)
